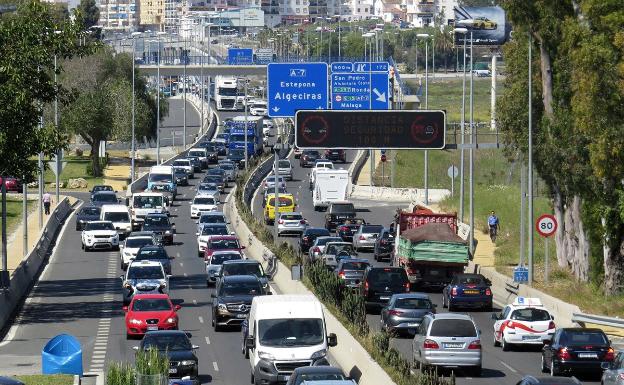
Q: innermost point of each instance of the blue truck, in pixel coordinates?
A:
(236, 140)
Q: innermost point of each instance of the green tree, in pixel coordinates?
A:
(90, 12)
(27, 48)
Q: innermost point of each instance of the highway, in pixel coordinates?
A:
(498, 367)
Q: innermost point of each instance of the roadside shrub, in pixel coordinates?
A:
(354, 309)
(119, 373)
(151, 362)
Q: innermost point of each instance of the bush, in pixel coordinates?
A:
(119, 373)
(151, 361)
(79, 152)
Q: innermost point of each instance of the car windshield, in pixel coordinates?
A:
(218, 259)
(318, 377)
(371, 229)
(241, 138)
(204, 201)
(182, 163)
(168, 342)
(227, 166)
(135, 243)
(117, 217)
(336, 249)
(238, 152)
(212, 219)
(290, 332)
(388, 275)
(156, 221)
(412, 303)
(151, 304)
(243, 269)
(316, 232)
(213, 178)
(214, 230)
(355, 265)
(90, 211)
(147, 202)
(291, 217)
(468, 280)
(343, 208)
(222, 136)
(283, 202)
(453, 328)
(271, 179)
(101, 188)
(283, 164)
(530, 314)
(160, 178)
(220, 244)
(240, 288)
(583, 338)
(216, 171)
(106, 198)
(198, 153)
(151, 253)
(99, 226)
(313, 153)
(207, 186)
(160, 187)
(145, 272)
(180, 172)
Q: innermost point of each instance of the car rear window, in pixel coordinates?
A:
(317, 232)
(290, 217)
(452, 328)
(372, 229)
(582, 337)
(283, 202)
(469, 280)
(355, 265)
(530, 314)
(90, 211)
(389, 275)
(343, 208)
(284, 164)
(412, 303)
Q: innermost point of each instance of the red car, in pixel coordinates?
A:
(149, 312)
(12, 184)
(221, 243)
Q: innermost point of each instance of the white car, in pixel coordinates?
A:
(99, 235)
(205, 232)
(258, 108)
(203, 203)
(186, 165)
(523, 322)
(268, 128)
(144, 277)
(131, 245)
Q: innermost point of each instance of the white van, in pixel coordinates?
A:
(144, 203)
(120, 216)
(282, 333)
(329, 186)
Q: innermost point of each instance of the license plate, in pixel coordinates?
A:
(588, 355)
(530, 337)
(471, 291)
(173, 370)
(413, 324)
(384, 298)
(453, 345)
(241, 315)
(151, 328)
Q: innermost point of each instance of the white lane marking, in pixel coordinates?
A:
(207, 340)
(194, 302)
(509, 367)
(178, 255)
(201, 319)
(186, 274)
(181, 263)
(216, 367)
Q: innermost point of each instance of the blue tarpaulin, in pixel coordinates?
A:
(62, 355)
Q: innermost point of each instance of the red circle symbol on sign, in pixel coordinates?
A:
(424, 132)
(383, 157)
(546, 225)
(315, 129)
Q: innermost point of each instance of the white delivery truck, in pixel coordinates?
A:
(282, 333)
(330, 185)
(120, 216)
(226, 93)
(143, 203)
(162, 175)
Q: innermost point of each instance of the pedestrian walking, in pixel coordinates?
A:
(47, 199)
(493, 225)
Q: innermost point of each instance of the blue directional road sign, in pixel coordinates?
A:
(360, 91)
(371, 67)
(240, 56)
(296, 86)
(342, 67)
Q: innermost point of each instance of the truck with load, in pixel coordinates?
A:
(330, 185)
(429, 248)
(226, 93)
(254, 134)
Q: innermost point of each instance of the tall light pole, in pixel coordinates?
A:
(134, 36)
(530, 181)
(158, 35)
(246, 122)
(463, 31)
(426, 37)
(59, 153)
(185, 81)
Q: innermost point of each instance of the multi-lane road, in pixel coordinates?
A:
(80, 293)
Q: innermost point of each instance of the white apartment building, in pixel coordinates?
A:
(118, 14)
(421, 13)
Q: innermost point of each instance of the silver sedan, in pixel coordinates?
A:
(291, 223)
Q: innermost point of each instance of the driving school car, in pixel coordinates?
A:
(524, 322)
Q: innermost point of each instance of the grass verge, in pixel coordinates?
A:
(56, 379)
(76, 167)
(14, 213)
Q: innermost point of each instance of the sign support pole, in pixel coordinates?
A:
(546, 260)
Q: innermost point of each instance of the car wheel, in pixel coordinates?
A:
(505, 345)
(200, 254)
(495, 343)
(544, 368)
(128, 336)
(553, 370)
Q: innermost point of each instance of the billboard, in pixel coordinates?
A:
(487, 25)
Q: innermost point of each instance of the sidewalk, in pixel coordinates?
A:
(117, 176)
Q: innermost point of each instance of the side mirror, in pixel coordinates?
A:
(332, 340)
(125, 308)
(177, 307)
(169, 276)
(605, 365)
(233, 233)
(195, 347)
(250, 342)
(547, 342)
(213, 295)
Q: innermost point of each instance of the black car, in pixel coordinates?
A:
(218, 179)
(181, 176)
(159, 224)
(336, 155)
(308, 237)
(219, 171)
(101, 187)
(384, 244)
(232, 299)
(196, 162)
(237, 155)
(213, 151)
(155, 253)
(102, 198)
(346, 229)
(576, 350)
(337, 213)
(86, 214)
(315, 373)
(220, 148)
(530, 380)
(178, 348)
(244, 267)
(380, 283)
(308, 158)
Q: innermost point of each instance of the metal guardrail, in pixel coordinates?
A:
(583, 319)
(512, 287)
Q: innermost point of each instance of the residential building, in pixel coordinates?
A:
(118, 14)
(152, 14)
(421, 13)
(296, 11)
(359, 10)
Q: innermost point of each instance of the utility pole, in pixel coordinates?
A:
(246, 122)
(185, 81)
(59, 153)
(471, 153)
(25, 214)
(530, 182)
(158, 102)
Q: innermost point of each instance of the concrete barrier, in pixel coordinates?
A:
(28, 270)
(349, 354)
(397, 194)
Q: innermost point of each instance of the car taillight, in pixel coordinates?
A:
(609, 355)
(454, 291)
(343, 228)
(341, 275)
(366, 288)
(475, 345)
(362, 238)
(302, 222)
(281, 222)
(488, 292)
(563, 354)
(407, 286)
(551, 325)
(316, 250)
(395, 312)
(430, 344)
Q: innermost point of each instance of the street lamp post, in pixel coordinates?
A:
(426, 37)
(134, 35)
(463, 31)
(246, 122)
(184, 82)
(158, 35)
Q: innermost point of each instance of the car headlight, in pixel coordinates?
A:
(266, 356)
(187, 362)
(163, 284)
(222, 306)
(171, 320)
(127, 285)
(135, 321)
(320, 354)
(168, 232)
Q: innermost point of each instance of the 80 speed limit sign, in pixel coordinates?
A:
(546, 225)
